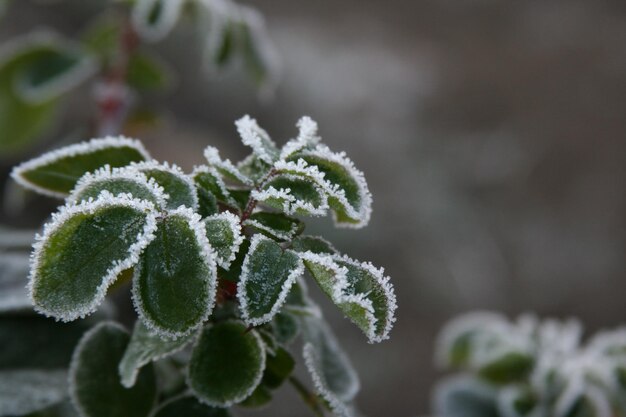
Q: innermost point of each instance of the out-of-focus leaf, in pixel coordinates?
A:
(147, 73)
(465, 397)
(154, 19)
(26, 391)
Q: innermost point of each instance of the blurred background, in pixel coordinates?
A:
(492, 134)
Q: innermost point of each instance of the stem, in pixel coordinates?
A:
(309, 398)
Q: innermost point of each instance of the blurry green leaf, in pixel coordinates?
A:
(268, 272)
(224, 234)
(188, 406)
(275, 225)
(298, 301)
(465, 397)
(154, 19)
(260, 396)
(510, 367)
(146, 73)
(516, 401)
(227, 364)
(176, 184)
(83, 250)
(26, 391)
(285, 327)
(315, 244)
(56, 173)
(146, 347)
(175, 280)
(102, 37)
(278, 367)
(94, 381)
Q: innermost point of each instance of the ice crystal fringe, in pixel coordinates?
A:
(170, 11)
(243, 279)
(172, 169)
(235, 226)
(70, 151)
(260, 226)
(128, 173)
(105, 199)
(254, 136)
(202, 169)
(312, 364)
(307, 137)
(195, 223)
(212, 156)
(290, 204)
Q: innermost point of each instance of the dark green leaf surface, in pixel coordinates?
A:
(465, 397)
(315, 244)
(224, 234)
(83, 250)
(268, 272)
(146, 73)
(175, 280)
(293, 195)
(285, 327)
(275, 225)
(176, 184)
(227, 364)
(189, 406)
(278, 368)
(95, 385)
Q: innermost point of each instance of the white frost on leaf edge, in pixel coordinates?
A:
(195, 223)
(254, 136)
(282, 295)
(171, 169)
(278, 233)
(75, 364)
(128, 173)
(105, 200)
(44, 38)
(203, 169)
(132, 378)
(83, 148)
(311, 361)
(140, 16)
(307, 136)
(362, 214)
(238, 237)
(212, 156)
(322, 239)
(256, 381)
(290, 204)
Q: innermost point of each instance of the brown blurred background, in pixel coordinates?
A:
(492, 134)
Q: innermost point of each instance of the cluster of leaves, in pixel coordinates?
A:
(40, 69)
(217, 261)
(529, 368)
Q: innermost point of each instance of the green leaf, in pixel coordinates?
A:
(285, 327)
(278, 367)
(307, 138)
(331, 369)
(258, 54)
(465, 397)
(211, 190)
(275, 225)
(293, 195)
(254, 136)
(56, 173)
(146, 347)
(125, 180)
(225, 168)
(298, 301)
(83, 250)
(254, 168)
(227, 364)
(175, 183)
(224, 234)
(516, 401)
(188, 406)
(95, 386)
(267, 274)
(260, 397)
(102, 37)
(509, 367)
(234, 271)
(146, 73)
(314, 244)
(175, 280)
(27, 391)
(154, 19)
(361, 291)
(348, 194)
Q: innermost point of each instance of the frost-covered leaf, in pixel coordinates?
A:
(285, 327)
(234, 271)
(314, 244)
(507, 367)
(146, 347)
(175, 183)
(278, 367)
(175, 280)
(348, 194)
(227, 364)
(125, 180)
(56, 173)
(26, 391)
(275, 225)
(23, 335)
(254, 136)
(188, 406)
(147, 72)
(307, 138)
(465, 397)
(211, 189)
(293, 195)
(329, 366)
(224, 234)
(254, 167)
(360, 290)
(267, 274)
(154, 19)
(95, 386)
(298, 301)
(225, 167)
(14, 269)
(82, 251)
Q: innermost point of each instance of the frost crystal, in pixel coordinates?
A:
(229, 229)
(225, 167)
(172, 181)
(253, 136)
(307, 137)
